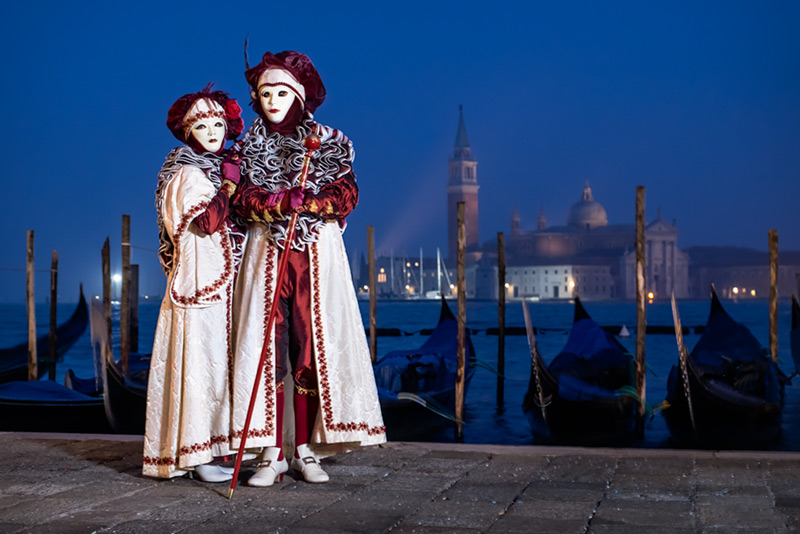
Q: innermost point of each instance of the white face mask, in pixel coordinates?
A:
(276, 100)
(210, 133)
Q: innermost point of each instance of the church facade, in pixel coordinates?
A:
(587, 257)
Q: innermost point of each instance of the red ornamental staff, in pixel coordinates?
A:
(312, 143)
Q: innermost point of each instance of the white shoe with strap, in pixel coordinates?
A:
(212, 473)
(308, 465)
(270, 469)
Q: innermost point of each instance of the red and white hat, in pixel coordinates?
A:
(203, 108)
(276, 76)
(290, 69)
(192, 107)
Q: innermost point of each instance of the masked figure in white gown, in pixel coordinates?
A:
(189, 394)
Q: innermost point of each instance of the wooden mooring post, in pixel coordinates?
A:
(501, 318)
(797, 284)
(773, 294)
(373, 290)
(134, 308)
(52, 336)
(107, 288)
(462, 322)
(33, 369)
(124, 300)
(641, 305)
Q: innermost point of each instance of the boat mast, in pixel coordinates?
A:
(391, 272)
(439, 271)
(447, 277)
(421, 275)
(405, 277)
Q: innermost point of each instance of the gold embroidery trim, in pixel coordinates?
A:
(303, 391)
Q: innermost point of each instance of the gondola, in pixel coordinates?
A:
(416, 387)
(87, 386)
(124, 393)
(45, 406)
(735, 391)
(14, 360)
(586, 396)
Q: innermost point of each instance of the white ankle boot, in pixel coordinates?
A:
(270, 469)
(212, 473)
(308, 465)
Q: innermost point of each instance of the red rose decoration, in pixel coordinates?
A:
(232, 109)
(233, 115)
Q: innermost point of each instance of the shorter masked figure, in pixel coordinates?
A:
(188, 394)
(317, 356)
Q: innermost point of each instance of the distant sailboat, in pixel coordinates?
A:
(623, 332)
(437, 293)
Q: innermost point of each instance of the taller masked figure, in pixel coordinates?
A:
(318, 339)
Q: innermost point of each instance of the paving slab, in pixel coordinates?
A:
(92, 483)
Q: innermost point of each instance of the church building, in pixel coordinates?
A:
(587, 257)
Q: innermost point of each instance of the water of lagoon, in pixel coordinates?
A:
(485, 422)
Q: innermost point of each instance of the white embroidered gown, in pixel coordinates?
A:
(188, 397)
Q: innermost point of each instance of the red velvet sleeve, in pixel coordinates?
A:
(335, 200)
(251, 203)
(214, 215)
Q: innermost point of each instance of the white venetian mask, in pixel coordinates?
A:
(210, 133)
(276, 100)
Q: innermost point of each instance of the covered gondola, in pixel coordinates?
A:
(586, 396)
(45, 406)
(124, 391)
(416, 387)
(125, 394)
(728, 393)
(14, 360)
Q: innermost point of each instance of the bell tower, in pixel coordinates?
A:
(462, 186)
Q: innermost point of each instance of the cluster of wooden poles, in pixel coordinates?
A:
(33, 361)
(129, 307)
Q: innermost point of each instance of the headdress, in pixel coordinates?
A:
(203, 108)
(293, 70)
(192, 107)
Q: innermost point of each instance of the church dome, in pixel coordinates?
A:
(587, 214)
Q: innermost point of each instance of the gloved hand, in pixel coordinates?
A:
(292, 199)
(230, 167)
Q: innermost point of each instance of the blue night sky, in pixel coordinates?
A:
(697, 101)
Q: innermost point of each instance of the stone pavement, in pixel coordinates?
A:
(68, 483)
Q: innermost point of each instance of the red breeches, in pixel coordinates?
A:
(294, 348)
